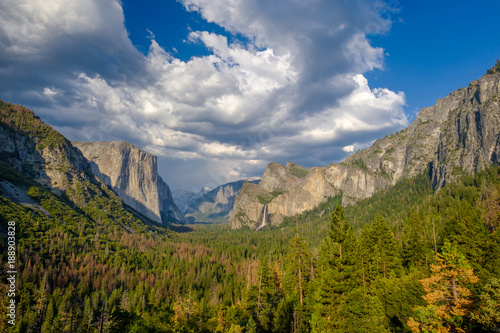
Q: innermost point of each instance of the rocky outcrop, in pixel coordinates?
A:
(47, 158)
(215, 205)
(278, 185)
(132, 174)
(459, 134)
(471, 139)
(40, 152)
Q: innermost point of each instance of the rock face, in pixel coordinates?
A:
(215, 205)
(132, 174)
(40, 152)
(47, 158)
(459, 134)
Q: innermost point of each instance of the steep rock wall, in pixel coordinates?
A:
(133, 174)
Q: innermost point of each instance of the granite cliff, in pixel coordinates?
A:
(459, 134)
(132, 173)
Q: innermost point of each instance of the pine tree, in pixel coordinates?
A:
(362, 313)
(251, 326)
(489, 311)
(380, 252)
(298, 267)
(416, 248)
(41, 300)
(448, 294)
(268, 296)
(336, 274)
(283, 317)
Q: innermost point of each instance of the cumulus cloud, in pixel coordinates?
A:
(291, 88)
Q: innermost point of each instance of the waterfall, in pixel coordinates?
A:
(263, 220)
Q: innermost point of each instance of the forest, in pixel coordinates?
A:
(408, 259)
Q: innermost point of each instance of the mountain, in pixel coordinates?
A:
(184, 199)
(214, 205)
(132, 173)
(460, 134)
(38, 162)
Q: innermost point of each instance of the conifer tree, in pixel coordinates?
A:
(362, 313)
(268, 296)
(283, 316)
(251, 326)
(416, 249)
(298, 267)
(448, 294)
(336, 274)
(380, 252)
(489, 311)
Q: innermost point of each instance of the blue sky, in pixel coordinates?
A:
(219, 88)
(438, 47)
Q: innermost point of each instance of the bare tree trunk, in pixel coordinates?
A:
(258, 298)
(434, 234)
(454, 289)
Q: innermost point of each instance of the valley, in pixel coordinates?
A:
(400, 237)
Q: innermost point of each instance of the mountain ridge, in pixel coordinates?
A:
(214, 205)
(457, 135)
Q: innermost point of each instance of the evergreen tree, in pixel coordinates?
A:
(268, 296)
(251, 326)
(380, 253)
(416, 248)
(47, 326)
(298, 266)
(362, 313)
(336, 274)
(283, 317)
(489, 311)
(448, 294)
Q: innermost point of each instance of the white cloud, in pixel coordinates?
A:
(293, 89)
(49, 92)
(348, 149)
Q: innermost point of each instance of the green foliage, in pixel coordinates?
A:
(268, 197)
(489, 311)
(16, 117)
(299, 172)
(394, 203)
(448, 295)
(362, 313)
(336, 274)
(495, 68)
(360, 164)
(380, 253)
(210, 280)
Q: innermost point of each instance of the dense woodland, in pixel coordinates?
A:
(408, 259)
(432, 266)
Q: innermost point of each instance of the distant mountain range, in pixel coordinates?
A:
(209, 205)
